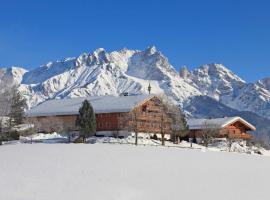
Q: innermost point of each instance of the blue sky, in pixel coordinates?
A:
(235, 33)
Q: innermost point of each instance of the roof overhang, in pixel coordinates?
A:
(236, 119)
(218, 123)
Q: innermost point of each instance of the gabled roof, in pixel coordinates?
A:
(195, 124)
(101, 104)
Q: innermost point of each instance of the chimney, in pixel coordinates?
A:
(149, 88)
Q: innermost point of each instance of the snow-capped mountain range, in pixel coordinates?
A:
(113, 73)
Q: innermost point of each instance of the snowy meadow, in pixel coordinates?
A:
(107, 171)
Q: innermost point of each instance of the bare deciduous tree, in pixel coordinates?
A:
(209, 131)
(134, 123)
(168, 119)
(179, 127)
(6, 85)
(230, 139)
(167, 111)
(163, 103)
(32, 127)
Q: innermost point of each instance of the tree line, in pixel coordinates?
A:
(12, 106)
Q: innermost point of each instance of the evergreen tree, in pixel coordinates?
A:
(17, 106)
(86, 120)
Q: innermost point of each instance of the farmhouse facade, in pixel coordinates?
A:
(112, 113)
(115, 114)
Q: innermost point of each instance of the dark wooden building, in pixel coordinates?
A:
(113, 113)
(229, 127)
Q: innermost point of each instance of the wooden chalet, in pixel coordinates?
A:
(229, 127)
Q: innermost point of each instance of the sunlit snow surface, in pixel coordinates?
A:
(106, 171)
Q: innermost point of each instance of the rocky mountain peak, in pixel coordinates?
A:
(183, 72)
(112, 73)
(218, 71)
(151, 50)
(15, 73)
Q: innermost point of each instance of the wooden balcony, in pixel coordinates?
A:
(149, 118)
(244, 136)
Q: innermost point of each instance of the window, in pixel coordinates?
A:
(144, 108)
(100, 125)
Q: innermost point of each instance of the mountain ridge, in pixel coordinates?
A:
(112, 73)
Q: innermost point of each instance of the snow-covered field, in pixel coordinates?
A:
(106, 171)
(218, 145)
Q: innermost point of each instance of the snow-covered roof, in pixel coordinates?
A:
(101, 104)
(195, 124)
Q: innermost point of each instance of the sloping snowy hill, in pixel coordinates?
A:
(112, 73)
(99, 171)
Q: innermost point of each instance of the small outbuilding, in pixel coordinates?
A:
(229, 127)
